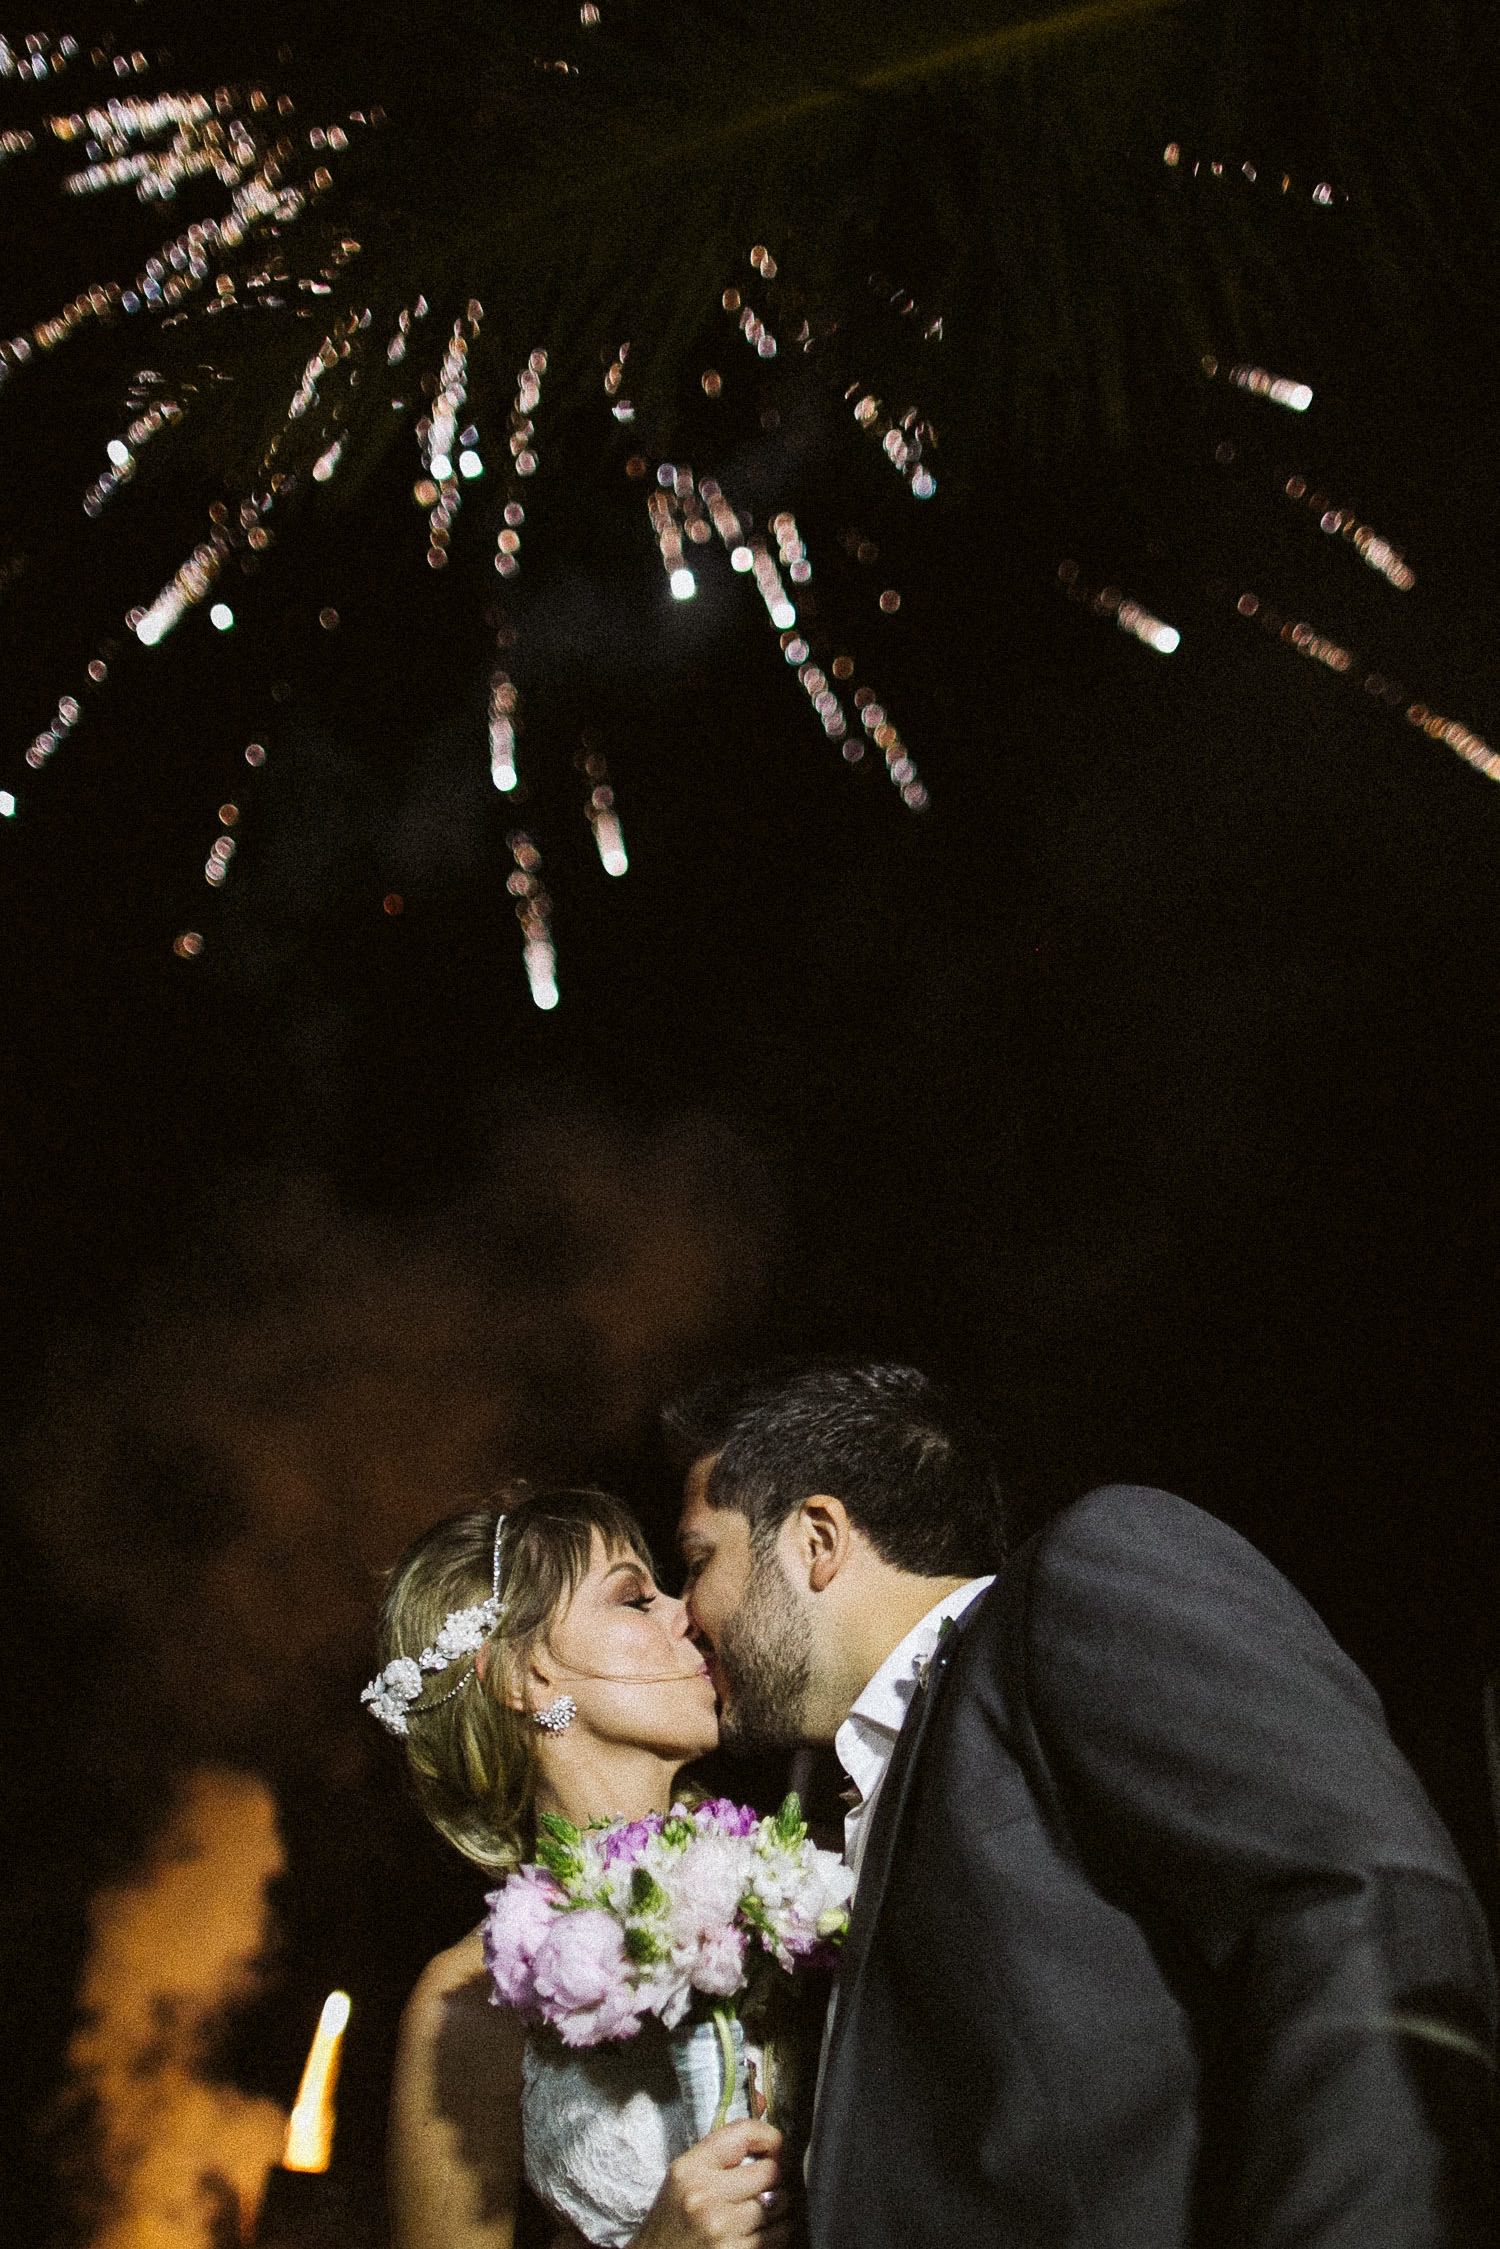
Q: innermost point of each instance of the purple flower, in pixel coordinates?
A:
(583, 1982)
(627, 1844)
(718, 1816)
(521, 1916)
(799, 1946)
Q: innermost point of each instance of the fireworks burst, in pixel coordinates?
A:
(262, 262)
(292, 270)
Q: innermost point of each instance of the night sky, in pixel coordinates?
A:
(1144, 1086)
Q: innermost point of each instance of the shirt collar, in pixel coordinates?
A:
(864, 1742)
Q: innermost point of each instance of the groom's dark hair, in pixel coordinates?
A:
(915, 1470)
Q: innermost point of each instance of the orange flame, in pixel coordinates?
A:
(309, 2131)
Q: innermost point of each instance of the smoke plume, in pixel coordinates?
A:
(315, 1386)
(175, 1946)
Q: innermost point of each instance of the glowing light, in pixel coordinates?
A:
(439, 490)
(1298, 635)
(118, 451)
(683, 584)
(541, 971)
(1132, 618)
(7, 805)
(221, 616)
(469, 464)
(159, 619)
(901, 437)
(1174, 157)
(610, 838)
(534, 913)
(1471, 747)
(1376, 553)
(1280, 389)
(202, 135)
(503, 704)
(740, 558)
(309, 2132)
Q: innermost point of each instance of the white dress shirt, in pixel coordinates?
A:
(865, 1741)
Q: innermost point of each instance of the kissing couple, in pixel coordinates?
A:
(1156, 1940)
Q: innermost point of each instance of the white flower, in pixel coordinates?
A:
(463, 1631)
(389, 1695)
(705, 1888)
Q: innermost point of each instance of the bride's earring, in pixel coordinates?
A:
(558, 1716)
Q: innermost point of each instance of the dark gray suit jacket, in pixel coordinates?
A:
(1158, 1943)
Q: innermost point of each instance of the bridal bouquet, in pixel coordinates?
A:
(678, 1917)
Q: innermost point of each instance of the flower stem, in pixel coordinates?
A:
(722, 2020)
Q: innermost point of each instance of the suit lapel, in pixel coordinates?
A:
(885, 1828)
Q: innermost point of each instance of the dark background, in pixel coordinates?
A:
(1144, 1086)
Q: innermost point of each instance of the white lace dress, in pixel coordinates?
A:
(599, 2127)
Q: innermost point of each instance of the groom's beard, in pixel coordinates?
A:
(764, 1658)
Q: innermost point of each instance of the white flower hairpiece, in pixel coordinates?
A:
(393, 1693)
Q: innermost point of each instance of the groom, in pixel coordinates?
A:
(1157, 1942)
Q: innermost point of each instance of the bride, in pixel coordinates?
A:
(530, 1664)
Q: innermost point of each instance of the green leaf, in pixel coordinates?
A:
(646, 1893)
(558, 1847)
(789, 1827)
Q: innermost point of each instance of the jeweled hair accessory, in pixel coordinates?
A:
(395, 1692)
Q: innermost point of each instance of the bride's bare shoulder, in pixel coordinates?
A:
(451, 2002)
(457, 1973)
(454, 2146)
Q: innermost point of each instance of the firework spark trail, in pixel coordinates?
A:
(750, 555)
(174, 1947)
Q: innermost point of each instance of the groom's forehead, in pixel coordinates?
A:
(695, 1487)
(701, 1525)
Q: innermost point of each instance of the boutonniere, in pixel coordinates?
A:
(924, 1668)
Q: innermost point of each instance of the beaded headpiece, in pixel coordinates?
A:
(395, 1692)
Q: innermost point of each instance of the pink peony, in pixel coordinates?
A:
(522, 1914)
(583, 1978)
(720, 1966)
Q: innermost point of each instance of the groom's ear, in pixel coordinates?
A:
(824, 1538)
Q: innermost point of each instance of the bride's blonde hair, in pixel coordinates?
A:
(472, 1758)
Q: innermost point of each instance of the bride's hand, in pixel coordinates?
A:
(726, 2189)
